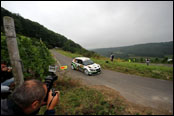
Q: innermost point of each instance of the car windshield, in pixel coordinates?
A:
(88, 62)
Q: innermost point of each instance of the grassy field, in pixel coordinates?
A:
(159, 72)
(79, 99)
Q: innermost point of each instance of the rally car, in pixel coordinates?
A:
(85, 65)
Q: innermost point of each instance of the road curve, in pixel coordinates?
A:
(145, 91)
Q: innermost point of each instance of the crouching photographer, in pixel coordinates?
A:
(28, 98)
(31, 95)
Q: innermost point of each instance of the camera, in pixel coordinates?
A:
(49, 80)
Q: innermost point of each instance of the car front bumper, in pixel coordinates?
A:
(95, 71)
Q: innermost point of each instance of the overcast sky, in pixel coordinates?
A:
(101, 24)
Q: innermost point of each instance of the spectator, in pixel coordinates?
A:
(6, 77)
(147, 61)
(28, 98)
(112, 57)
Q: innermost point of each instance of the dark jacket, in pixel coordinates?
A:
(5, 75)
(8, 107)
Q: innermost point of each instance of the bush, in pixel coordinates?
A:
(164, 60)
(34, 54)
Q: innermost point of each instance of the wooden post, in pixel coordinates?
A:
(12, 46)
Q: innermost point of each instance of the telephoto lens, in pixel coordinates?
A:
(49, 80)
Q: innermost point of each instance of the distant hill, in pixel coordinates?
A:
(141, 50)
(32, 29)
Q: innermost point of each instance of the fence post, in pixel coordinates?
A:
(12, 46)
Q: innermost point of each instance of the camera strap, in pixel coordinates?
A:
(51, 101)
(53, 94)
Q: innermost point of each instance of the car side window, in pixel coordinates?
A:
(77, 60)
(80, 62)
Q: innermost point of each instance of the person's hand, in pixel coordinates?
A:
(9, 69)
(54, 101)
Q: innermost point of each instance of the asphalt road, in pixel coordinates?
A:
(145, 91)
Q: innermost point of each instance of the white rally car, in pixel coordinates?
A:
(85, 65)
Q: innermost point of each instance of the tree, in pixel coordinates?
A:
(141, 60)
(165, 60)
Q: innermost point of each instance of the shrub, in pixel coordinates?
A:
(34, 54)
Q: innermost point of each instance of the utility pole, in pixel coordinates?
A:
(12, 46)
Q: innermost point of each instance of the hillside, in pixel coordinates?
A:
(32, 29)
(142, 50)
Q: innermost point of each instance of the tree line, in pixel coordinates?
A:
(158, 50)
(35, 30)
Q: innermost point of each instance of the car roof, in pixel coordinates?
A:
(82, 58)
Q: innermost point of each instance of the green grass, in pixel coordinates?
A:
(158, 72)
(77, 99)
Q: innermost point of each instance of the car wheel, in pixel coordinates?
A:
(86, 72)
(72, 67)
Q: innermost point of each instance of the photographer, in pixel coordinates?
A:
(28, 98)
(6, 77)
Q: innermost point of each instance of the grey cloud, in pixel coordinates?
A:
(95, 24)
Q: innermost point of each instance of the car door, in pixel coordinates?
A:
(80, 65)
(74, 63)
